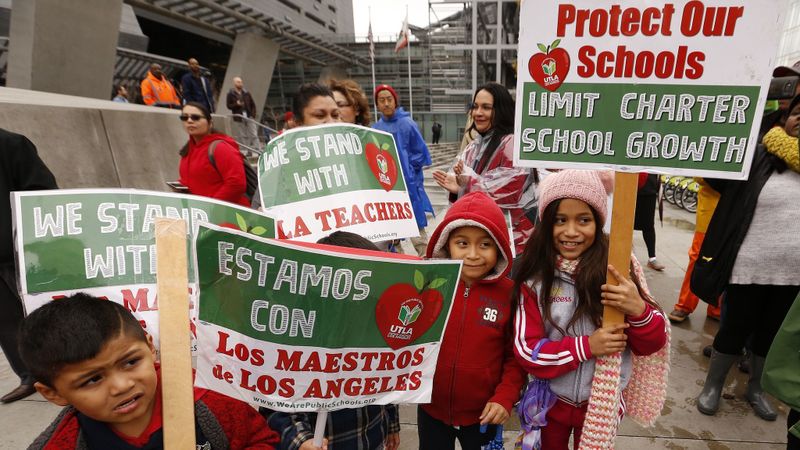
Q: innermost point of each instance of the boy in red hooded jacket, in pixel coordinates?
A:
(477, 378)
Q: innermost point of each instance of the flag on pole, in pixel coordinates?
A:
(372, 62)
(402, 41)
(371, 42)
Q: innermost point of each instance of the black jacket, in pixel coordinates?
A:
(21, 169)
(248, 106)
(197, 89)
(729, 225)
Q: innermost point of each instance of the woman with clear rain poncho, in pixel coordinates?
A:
(487, 163)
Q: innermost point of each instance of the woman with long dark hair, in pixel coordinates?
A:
(487, 163)
(211, 164)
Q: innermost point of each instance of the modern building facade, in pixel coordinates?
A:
(789, 48)
(99, 41)
(464, 46)
(296, 41)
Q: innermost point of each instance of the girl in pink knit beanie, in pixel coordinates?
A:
(561, 290)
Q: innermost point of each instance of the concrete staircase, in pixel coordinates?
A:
(442, 156)
(443, 153)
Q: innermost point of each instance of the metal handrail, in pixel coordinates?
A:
(259, 135)
(250, 119)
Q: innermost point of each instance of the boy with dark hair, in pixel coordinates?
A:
(93, 357)
(413, 154)
(349, 240)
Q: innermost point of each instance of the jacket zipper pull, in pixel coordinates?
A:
(466, 292)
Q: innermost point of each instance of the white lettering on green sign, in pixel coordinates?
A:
(339, 284)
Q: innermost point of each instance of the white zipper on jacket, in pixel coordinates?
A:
(458, 353)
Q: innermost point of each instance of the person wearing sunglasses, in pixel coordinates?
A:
(211, 164)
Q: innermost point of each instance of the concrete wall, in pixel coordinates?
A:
(59, 46)
(253, 59)
(95, 143)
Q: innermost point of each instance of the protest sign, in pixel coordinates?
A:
(298, 328)
(661, 86)
(102, 242)
(316, 180)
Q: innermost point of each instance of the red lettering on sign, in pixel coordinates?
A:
(624, 63)
(341, 220)
(136, 302)
(615, 21)
(287, 361)
(712, 20)
(240, 351)
(356, 218)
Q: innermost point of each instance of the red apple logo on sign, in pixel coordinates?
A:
(405, 312)
(549, 68)
(382, 165)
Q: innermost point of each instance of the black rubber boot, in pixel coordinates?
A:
(755, 395)
(744, 362)
(718, 367)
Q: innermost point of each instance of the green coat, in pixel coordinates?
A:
(781, 376)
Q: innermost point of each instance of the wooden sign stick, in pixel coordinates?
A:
(173, 323)
(621, 238)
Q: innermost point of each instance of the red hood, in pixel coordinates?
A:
(474, 209)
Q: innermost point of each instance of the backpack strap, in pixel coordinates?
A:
(209, 426)
(211, 147)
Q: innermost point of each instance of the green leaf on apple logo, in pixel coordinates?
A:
(419, 280)
(241, 222)
(437, 283)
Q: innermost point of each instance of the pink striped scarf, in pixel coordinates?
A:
(644, 395)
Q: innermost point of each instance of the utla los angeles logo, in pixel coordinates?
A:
(550, 67)
(409, 311)
(405, 312)
(382, 165)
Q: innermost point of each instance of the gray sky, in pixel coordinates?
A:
(388, 15)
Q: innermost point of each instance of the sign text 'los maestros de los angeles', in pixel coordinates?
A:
(305, 327)
(665, 86)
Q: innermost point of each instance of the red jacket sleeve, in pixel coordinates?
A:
(229, 164)
(554, 358)
(647, 333)
(259, 436)
(507, 392)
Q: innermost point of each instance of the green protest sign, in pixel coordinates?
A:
(662, 86)
(299, 327)
(101, 241)
(320, 179)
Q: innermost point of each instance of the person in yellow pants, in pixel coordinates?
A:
(707, 199)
